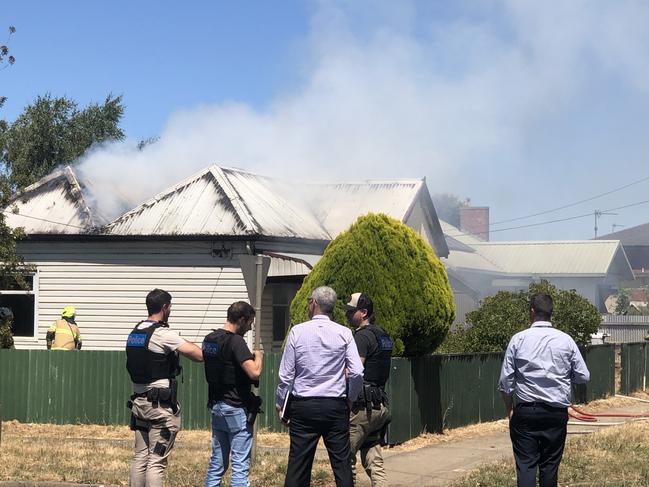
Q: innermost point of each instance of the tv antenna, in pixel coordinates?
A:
(598, 214)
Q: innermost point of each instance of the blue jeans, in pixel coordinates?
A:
(230, 432)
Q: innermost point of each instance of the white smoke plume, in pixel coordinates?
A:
(468, 98)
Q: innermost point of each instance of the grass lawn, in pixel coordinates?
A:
(614, 457)
(101, 454)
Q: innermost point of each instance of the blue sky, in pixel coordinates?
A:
(160, 55)
(522, 106)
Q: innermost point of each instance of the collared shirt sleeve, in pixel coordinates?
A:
(506, 383)
(286, 371)
(354, 368)
(580, 373)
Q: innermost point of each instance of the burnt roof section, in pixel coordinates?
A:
(220, 201)
(227, 203)
(53, 205)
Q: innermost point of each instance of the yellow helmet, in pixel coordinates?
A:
(68, 312)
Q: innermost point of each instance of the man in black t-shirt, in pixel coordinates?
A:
(231, 370)
(369, 415)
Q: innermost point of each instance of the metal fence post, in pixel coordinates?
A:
(644, 368)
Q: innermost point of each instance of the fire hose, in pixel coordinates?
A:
(586, 417)
(609, 415)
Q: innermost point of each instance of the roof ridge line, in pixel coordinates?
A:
(76, 190)
(235, 198)
(488, 243)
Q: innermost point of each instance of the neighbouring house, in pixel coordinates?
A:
(594, 268)
(638, 302)
(635, 241)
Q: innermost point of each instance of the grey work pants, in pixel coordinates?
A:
(361, 427)
(152, 447)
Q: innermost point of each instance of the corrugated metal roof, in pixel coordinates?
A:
(338, 205)
(456, 238)
(53, 205)
(225, 202)
(219, 201)
(466, 256)
(286, 265)
(474, 261)
(554, 257)
(452, 232)
(572, 257)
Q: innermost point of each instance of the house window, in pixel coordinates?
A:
(22, 301)
(280, 311)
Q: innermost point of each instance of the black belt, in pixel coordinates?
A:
(173, 405)
(543, 405)
(307, 398)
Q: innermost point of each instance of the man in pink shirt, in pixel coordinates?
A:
(312, 373)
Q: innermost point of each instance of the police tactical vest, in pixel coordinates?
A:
(219, 372)
(145, 366)
(377, 364)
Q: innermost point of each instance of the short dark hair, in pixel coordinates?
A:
(364, 302)
(156, 299)
(542, 306)
(240, 311)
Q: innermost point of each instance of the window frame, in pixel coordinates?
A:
(33, 292)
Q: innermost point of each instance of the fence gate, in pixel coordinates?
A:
(633, 367)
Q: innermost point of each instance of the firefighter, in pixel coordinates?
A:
(64, 333)
(369, 415)
(152, 361)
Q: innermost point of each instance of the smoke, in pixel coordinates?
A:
(467, 95)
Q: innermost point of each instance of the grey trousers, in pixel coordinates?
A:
(152, 447)
(361, 427)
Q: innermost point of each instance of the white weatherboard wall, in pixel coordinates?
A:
(108, 281)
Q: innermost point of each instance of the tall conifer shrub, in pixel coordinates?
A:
(390, 262)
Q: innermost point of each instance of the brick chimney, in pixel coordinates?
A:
(475, 220)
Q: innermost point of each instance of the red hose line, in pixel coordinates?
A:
(610, 415)
(586, 419)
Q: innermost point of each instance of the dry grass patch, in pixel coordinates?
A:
(613, 457)
(614, 403)
(452, 435)
(96, 432)
(502, 425)
(102, 454)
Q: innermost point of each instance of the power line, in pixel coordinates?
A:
(572, 204)
(43, 220)
(548, 222)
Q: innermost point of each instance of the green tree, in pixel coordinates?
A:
(390, 262)
(11, 264)
(506, 313)
(6, 337)
(448, 207)
(622, 302)
(54, 131)
(6, 59)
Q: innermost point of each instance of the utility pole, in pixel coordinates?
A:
(598, 214)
